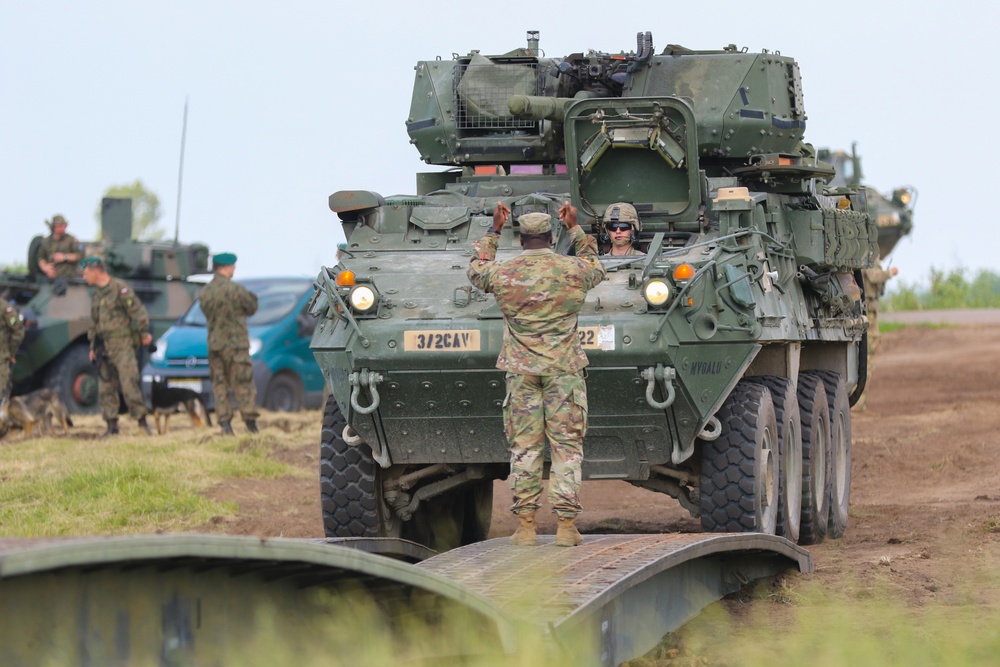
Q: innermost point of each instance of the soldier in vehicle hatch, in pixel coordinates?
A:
(620, 231)
(118, 324)
(540, 294)
(60, 253)
(227, 305)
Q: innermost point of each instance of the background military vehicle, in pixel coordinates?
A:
(723, 361)
(55, 352)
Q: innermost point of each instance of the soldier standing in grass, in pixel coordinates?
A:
(11, 336)
(540, 294)
(118, 324)
(227, 305)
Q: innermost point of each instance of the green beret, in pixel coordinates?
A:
(87, 261)
(535, 223)
(223, 259)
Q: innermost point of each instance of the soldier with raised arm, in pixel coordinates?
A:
(540, 294)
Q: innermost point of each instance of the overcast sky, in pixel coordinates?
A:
(292, 101)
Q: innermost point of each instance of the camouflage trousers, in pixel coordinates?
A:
(537, 408)
(4, 374)
(232, 370)
(122, 370)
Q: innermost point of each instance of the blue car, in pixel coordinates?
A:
(284, 368)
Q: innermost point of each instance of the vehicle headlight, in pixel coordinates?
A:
(161, 351)
(362, 298)
(255, 345)
(656, 292)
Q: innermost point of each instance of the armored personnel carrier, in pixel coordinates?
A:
(722, 362)
(55, 352)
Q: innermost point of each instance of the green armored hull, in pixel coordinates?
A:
(722, 362)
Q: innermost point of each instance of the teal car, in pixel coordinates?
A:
(284, 369)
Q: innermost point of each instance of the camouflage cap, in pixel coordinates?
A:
(89, 261)
(535, 223)
(622, 212)
(58, 220)
(223, 259)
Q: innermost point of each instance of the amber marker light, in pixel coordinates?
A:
(683, 272)
(345, 278)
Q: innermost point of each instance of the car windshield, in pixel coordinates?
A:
(275, 299)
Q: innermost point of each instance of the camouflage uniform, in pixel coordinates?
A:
(540, 294)
(875, 280)
(11, 335)
(67, 244)
(227, 305)
(118, 316)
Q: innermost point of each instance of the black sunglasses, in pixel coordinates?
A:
(619, 226)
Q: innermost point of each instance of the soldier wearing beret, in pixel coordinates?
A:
(118, 324)
(11, 336)
(540, 294)
(59, 253)
(227, 305)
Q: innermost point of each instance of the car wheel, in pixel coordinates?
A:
(284, 394)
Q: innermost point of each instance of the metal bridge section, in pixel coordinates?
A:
(203, 599)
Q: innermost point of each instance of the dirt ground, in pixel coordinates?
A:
(926, 474)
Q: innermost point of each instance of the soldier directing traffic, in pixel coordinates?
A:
(59, 252)
(11, 336)
(118, 324)
(227, 305)
(540, 294)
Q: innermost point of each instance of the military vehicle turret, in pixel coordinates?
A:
(55, 352)
(722, 362)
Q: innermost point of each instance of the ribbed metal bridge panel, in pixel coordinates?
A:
(192, 599)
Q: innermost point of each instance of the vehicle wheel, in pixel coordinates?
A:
(739, 469)
(839, 484)
(815, 458)
(284, 393)
(478, 512)
(786, 412)
(74, 378)
(350, 490)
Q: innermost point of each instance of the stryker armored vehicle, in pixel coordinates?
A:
(55, 352)
(722, 362)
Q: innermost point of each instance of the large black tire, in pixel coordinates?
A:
(284, 393)
(815, 459)
(786, 412)
(839, 485)
(349, 488)
(739, 469)
(74, 379)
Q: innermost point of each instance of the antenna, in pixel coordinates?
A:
(180, 175)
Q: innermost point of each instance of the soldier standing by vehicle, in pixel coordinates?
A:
(540, 294)
(11, 335)
(118, 324)
(227, 305)
(59, 253)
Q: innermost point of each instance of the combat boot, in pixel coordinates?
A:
(144, 425)
(252, 426)
(567, 535)
(227, 428)
(525, 535)
(112, 429)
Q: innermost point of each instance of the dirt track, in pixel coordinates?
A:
(926, 475)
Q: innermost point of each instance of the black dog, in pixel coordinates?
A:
(168, 401)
